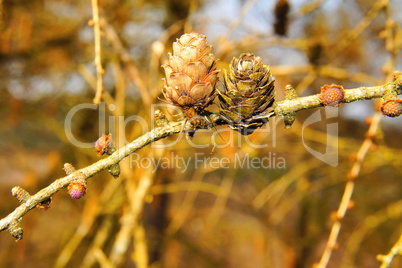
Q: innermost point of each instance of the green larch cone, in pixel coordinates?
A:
(248, 94)
(191, 75)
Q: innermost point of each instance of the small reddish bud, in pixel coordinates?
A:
(392, 107)
(335, 247)
(77, 189)
(105, 145)
(353, 157)
(351, 176)
(368, 120)
(351, 204)
(332, 95)
(334, 216)
(373, 147)
(369, 136)
(76, 194)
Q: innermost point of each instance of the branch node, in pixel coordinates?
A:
(391, 91)
(19, 193)
(69, 168)
(351, 176)
(335, 217)
(289, 119)
(114, 170)
(15, 229)
(45, 204)
(369, 136)
(290, 93)
(23, 196)
(351, 205)
(398, 78)
(160, 118)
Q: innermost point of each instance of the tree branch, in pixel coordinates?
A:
(362, 93)
(386, 260)
(290, 106)
(98, 54)
(11, 222)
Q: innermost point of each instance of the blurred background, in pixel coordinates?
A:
(274, 215)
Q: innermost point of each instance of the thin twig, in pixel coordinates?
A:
(347, 194)
(386, 260)
(187, 204)
(361, 93)
(392, 211)
(360, 27)
(129, 219)
(133, 72)
(89, 171)
(98, 59)
(392, 48)
(104, 206)
(375, 122)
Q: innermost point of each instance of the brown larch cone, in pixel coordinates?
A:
(191, 75)
(247, 96)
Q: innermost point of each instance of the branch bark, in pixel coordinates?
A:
(284, 108)
(11, 222)
(362, 93)
(98, 53)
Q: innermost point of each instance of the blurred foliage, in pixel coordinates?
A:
(202, 216)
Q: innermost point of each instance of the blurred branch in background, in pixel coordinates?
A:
(98, 51)
(346, 201)
(386, 260)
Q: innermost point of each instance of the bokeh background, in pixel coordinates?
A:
(202, 216)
